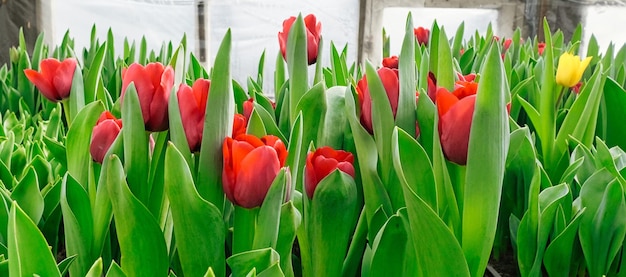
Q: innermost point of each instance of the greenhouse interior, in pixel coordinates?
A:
(313, 138)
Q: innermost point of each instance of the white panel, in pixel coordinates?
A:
(606, 23)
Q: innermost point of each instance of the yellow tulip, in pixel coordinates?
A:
(570, 69)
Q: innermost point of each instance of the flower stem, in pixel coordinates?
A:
(66, 112)
(244, 223)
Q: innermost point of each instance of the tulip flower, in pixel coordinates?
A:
(240, 123)
(322, 162)
(391, 62)
(250, 166)
(455, 119)
(104, 133)
(55, 79)
(389, 78)
(153, 83)
(570, 69)
(422, 35)
(192, 105)
(540, 47)
(313, 35)
(248, 106)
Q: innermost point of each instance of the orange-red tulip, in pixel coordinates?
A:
(322, 162)
(313, 35)
(389, 78)
(456, 110)
(192, 105)
(104, 133)
(240, 124)
(153, 83)
(55, 79)
(250, 166)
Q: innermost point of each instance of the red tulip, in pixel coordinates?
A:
(250, 166)
(240, 123)
(55, 79)
(422, 34)
(389, 78)
(540, 47)
(313, 35)
(322, 162)
(104, 133)
(507, 44)
(432, 86)
(455, 119)
(391, 62)
(153, 83)
(192, 105)
(248, 106)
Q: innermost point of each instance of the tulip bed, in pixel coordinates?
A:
(450, 156)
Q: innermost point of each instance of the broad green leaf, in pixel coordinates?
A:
(488, 146)
(65, 264)
(444, 71)
(27, 195)
(193, 218)
(177, 132)
(25, 240)
(610, 113)
(79, 139)
(141, 241)
(405, 117)
(96, 269)
(557, 258)
(388, 259)
(313, 107)
(297, 65)
(290, 220)
(94, 76)
(115, 271)
(78, 224)
(332, 133)
(218, 122)
(136, 156)
(268, 218)
(77, 96)
(261, 259)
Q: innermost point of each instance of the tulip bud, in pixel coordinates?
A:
(389, 78)
(55, 79)
(104, 133)
(391, 62)
(322, 162)
(570, 69)
(540, 47)
(153, 83)
(455, 111)
(250, 166)
(192, 105)
(313, 35)
(240, 123)
(248, 106)
(422, 35)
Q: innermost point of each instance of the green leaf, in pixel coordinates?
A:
(115, 271)
(488, 144)
(25, 240)
(77, 95)
(218, 122)
(388, 259)
(313, 107)
(330, 231)
(557, 258)
(94, 76)
(405, 116)
(78, 224)
(332, 133)
(79, 139)
(193, 218)
(27, 195)
(268, 218)
(96, 269)
(444, 71)
(261, 259)
(610, 113)
(177, 132)
(290, 219)
(65, 264)
(297, 65)
(136, 160)
(141, 241)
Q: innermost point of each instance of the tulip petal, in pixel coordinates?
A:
(389, 78)
(190, 115)
(63, 77)
(102, 137)
(454, 129)
(258, 170)
(444, 101)
(43, 85)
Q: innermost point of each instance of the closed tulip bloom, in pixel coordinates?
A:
(240, 124)
(389, 78)
(391, 62)
(540, 47)
(248, 106)
(313, 35)
(192, 105)
(422, 35)
(456, 110)
(322, 162)
(570, 69)
(250, 166)
(54, 81)
(153, 83)
(104, 133)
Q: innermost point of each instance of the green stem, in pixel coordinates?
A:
(66, 112)
(244, 221)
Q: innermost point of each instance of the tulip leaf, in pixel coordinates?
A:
(77, 94)
(389, 259)
(313, 107)
(332, 133)
(141, 241)
(177, 132)
(25, 240)
(78, 224)
(444, 70)
(330, 231)
(27, 195)
(488, 144)
(260, 259)
(79, 139)
(193, 218)
(290, 219)
(94, 76)
(96, 269)
(268, 122)
(115, 270)
(296, 154)
(268, 218)
(136, 160)
(554, 260)
(218, 122)
(611, 113)
(255, 125)
(297, 65)
(405, 117)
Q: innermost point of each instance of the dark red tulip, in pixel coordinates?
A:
(250, 166)
(153, 83)
(422, 35)
(104, 133)
(55, 79)
(456, 110)
(432, 86)
(389, 78)
(322, 162)
(313, 35)
(240, 124)
(192, 105)
(391, 62)
(576, 88)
